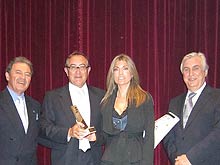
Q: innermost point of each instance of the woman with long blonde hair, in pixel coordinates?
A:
(127, 117)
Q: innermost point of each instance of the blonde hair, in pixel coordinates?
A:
(135, 94)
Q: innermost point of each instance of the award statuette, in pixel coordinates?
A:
(80, 119)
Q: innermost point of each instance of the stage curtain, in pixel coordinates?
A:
(155, 33)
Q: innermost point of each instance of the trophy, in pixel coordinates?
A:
(80, 119)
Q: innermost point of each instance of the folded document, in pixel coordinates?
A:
(163, 125)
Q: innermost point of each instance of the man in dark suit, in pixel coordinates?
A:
(18, 126)
(67, 139)
(196, 138)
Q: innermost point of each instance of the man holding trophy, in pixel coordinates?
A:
(70, 114)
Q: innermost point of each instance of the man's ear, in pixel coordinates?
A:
(66, 71)
(89, 69)
(7, 76)
(206, 73)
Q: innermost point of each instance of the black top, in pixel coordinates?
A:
(128, 146)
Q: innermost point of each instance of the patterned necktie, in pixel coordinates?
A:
(22, 112)
(188, 108)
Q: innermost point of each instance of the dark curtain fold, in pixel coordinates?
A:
(155, 33)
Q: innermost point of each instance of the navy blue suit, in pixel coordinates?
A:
(58, 118)
(200, 140)
(16, 147)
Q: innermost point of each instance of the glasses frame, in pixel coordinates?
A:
(81, 67)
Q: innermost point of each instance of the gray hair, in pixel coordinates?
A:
(194, 54)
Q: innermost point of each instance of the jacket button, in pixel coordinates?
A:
(12, 138)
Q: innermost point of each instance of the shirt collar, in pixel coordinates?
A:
(14, 95)
(75, 88)
(199, 91)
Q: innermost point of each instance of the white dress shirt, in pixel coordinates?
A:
(198, 93)
(80, 98)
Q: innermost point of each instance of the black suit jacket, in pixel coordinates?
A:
(200, 140)
(16, 147)
(128, 146)
(58, 118)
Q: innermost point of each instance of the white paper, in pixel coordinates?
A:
(163, 125)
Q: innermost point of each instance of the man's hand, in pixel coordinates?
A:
(77, 131)
(182, 160)
(91, 137)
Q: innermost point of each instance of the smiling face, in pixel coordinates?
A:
(121, 73)
(77, 74)
(19, 77)
(194, 73)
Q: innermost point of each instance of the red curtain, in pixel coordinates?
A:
(155, 33)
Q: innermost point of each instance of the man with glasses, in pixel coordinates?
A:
(69, 142)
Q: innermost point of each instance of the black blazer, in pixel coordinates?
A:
(200, 140)
(16, 147)
(129, 146)
(57, 118)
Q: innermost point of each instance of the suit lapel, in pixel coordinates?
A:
(181, 106)
(32, 115)
(92, 106)
(107, 113)
(66, 102)
(202, 100)
(11, 111)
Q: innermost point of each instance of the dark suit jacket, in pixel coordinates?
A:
(200, 140)
(128, 146)
(16, 147)
(58, 118)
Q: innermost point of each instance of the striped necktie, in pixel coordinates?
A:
(188, 108)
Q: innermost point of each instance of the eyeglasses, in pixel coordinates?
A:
(82, 67)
